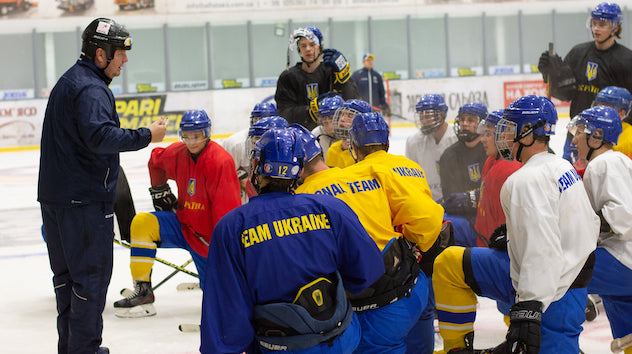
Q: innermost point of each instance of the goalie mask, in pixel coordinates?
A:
(528, 115)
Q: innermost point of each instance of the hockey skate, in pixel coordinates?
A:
(592, 311)
(469, 348)
(137, 304)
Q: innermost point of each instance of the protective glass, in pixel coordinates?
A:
(194, 137)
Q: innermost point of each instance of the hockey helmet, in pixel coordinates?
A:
(262, 110)
(106, 34)
(429, 116)
(309, 142)
(617, 97)
(474, 108)
(368, 129)
(344, 116)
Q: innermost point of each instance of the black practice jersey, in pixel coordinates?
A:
(595, 69)
(460, 168)
(296, 88)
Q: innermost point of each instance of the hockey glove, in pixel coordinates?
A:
(163, 198)
(498, 239)
(338, 62)
(549, 64)
(461, 203)
(523, 335)
(313, 109)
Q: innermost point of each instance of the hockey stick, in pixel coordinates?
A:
(548, 81)
(392, 114)
(621, 344)
(127, 292)
(167, 263)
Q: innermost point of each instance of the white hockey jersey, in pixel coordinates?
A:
(607, 181)
(425, 151)
(551, 227)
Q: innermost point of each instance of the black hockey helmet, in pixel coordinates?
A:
(106, 34)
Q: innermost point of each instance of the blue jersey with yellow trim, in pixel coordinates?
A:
(266, 250)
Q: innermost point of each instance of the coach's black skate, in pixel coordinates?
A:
(138, 304)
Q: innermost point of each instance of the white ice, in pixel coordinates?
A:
(27, 300)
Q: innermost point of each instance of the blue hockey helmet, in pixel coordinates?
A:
(344, 116)
(195, 120)
(491, 120)
(262, 110)
(309, 142)
(328, 105)
(312, 33)
(477, 109)
(278, 154)
(617, 97)
(607, 12)
(265, 124)
(369, 129)
(431, 111)
(600, 122)
(525, 116)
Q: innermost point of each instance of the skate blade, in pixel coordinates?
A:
(144, 310)
(188, 286)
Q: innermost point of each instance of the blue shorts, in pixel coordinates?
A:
(561, 322)
(613, 282)
(171, 236)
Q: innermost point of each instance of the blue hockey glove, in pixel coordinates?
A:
(524, 335)
(498, 239)
(461, 203)
(338, 62)
(163, 198)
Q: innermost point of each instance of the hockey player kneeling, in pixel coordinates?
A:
(278, 266)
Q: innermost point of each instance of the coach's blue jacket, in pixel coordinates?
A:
(81, 139)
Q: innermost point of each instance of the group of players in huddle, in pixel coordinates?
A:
(309, 237)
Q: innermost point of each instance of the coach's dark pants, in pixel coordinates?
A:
(79, 241)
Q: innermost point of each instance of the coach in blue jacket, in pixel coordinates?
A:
(370, 84)
(79, 166)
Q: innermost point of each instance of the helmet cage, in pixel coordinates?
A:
(504, 138)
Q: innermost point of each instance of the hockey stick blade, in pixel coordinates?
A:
(188, 286)
(621, 344)
(189, 327)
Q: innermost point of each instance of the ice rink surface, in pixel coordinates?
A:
(28, 302)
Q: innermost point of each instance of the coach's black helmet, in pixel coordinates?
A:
(106, 34)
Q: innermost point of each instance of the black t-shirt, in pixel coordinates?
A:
(595, 69)
(296, 88)
(460, 168)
